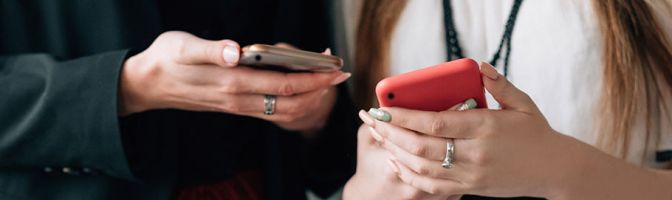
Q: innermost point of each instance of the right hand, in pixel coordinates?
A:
(182, 71)
(376, 177)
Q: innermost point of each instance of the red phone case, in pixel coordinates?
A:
(434, 88)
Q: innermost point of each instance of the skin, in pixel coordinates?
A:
(508, 152)
(182, 71)
(376, 177)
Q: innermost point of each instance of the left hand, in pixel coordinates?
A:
(313, 115)
(502, 153)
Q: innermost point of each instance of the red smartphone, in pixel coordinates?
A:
(434, 88)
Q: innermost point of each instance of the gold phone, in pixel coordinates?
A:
(289, 60)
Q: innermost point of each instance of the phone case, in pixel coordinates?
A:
(288, 60)
(434, 88)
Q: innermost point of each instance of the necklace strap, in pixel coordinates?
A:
(453, 49)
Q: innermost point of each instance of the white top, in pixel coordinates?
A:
(555, 56)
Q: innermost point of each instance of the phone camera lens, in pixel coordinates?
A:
(257, 57)
(390, 96)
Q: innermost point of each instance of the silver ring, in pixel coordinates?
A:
(450, 151)
(269, 104)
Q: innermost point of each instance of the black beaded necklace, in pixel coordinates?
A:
(453, 49)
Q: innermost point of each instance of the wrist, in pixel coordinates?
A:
(567, 166)
(130, 96)
(350, 189)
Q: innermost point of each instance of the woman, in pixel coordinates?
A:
(82, 117)
(596, 71)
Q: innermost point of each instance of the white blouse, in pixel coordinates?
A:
(555, 57)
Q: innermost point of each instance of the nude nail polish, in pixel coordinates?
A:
(489, 71)
(327, 51)
(375, 134)
(366, 118)
(231, 54)
(341, 78)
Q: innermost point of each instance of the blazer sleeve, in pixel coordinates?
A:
(61, 113)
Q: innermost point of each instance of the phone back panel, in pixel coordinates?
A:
(434, 88)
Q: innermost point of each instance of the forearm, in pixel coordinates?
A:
(593, 174)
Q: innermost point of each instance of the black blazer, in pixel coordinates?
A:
(60, 137)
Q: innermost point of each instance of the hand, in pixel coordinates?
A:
(182, 71)
(376, 177)
(503, 153)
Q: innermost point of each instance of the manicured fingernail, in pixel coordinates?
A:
(467, 105)
(231, 54)
(380, 115)
(489, 71)
(393, 166)
(375, 134)
(327, 51)
(341, 78)
(366, 118)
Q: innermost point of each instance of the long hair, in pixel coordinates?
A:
(378, 19)
(637, 71)
(637, 62)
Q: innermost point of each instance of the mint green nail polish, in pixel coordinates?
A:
(468, 105)
(380, 115)
(471, 103)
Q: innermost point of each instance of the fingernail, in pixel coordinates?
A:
(341, 78)
(467, 105)
(366, 118)
(375, 134)
(489, 71)
(327, 51)
(380, 115)
(231, 54)
(393, 166)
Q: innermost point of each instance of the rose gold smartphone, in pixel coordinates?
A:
(288, 60)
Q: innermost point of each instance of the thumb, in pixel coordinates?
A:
(225, 53)
(506, 94)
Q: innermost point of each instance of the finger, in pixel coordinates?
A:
(224, 53)
(447, 124)
(284, 105)
(422, 166)
(506, 94)
(248, 104)
(429, 147)
(428, 184)
(247, 80)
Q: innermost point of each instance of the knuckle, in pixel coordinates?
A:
(433, 189)
(413, 194)
(286, 89)
(422, 170)
(419, 150)
(437, 125)
(480, 158)
(390, 175)
(230, 85)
